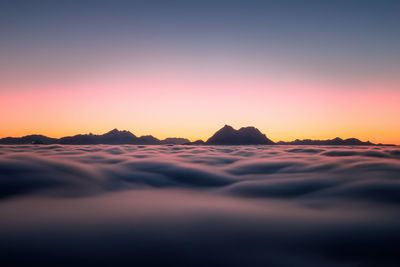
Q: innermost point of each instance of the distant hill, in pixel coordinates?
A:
(336, 141)
(174, 141)
(28, 139)
(113, 137)
(224, 136)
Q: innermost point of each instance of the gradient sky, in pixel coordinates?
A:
(294, 69)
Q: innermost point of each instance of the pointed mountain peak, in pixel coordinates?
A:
(227, 128)
(117, 133)
(113, 131)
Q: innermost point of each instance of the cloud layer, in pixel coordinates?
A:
(198, 206)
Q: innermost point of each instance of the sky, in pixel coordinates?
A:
(293, 69)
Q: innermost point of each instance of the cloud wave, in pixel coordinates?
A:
(197, 206)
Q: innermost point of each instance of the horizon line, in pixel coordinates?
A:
(191, 140)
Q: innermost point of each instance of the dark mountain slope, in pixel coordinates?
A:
(244, 136)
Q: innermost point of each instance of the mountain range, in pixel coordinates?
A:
(113, 137)
(225, 136)
(335, 141)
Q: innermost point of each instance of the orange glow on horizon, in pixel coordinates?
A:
(195, 107)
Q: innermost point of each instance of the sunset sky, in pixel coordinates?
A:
(293, 69)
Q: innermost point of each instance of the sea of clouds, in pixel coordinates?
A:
(128, 205)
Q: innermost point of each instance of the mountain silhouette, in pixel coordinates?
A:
(244, 136)
(112, 137)
(148, 140)
(28, 139)
(195, 143)
(336, 141)
(224, 136)
(174, 141)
